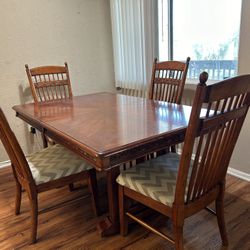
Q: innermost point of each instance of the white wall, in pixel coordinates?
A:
(50, 32)
(241, 156)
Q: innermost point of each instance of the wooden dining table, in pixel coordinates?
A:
(107, 130)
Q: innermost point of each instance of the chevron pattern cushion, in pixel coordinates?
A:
(55, 162)
(155, 178)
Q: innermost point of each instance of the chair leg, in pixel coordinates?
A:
(44, 139)
(71, 187)
(219, 204)
(123, 217)
(93, 187)
(173, 149)
(34, 218)
(18, 198)
(178, 236)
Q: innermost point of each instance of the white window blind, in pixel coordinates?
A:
(134, 46)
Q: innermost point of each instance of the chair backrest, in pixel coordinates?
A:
(49, 83)
(19, 163)
(168, 80)
(211, 137)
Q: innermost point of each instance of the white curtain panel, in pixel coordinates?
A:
(134, 32)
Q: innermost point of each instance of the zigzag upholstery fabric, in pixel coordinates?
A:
(55, 162)
(155, 178)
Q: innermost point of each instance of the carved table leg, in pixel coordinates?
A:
(110, 225)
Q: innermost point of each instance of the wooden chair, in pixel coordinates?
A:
(167, 84)
(168, 80)
(49, 83)
(180, 186)
(53, 167)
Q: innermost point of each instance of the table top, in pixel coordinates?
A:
(104, 124)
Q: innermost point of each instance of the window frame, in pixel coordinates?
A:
(170, 33)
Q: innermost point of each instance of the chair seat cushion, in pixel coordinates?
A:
(55, 162)
(155, 178)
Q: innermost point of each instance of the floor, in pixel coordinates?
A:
(74, 226)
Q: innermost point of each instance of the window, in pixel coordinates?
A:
(207, 31)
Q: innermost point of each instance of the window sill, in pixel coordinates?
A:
(194, 82)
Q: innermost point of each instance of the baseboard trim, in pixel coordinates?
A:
(4, 164)
(239, 174)
(231, 171)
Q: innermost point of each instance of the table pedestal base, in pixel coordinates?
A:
(107, 228)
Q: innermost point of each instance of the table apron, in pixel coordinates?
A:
(144, 149)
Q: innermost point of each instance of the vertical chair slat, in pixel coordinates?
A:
(200, 168)
(230, 103)
(236, 100)
(168, 79)
(216, 154)
(205, 163)
(211, 169)
(194, 169)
